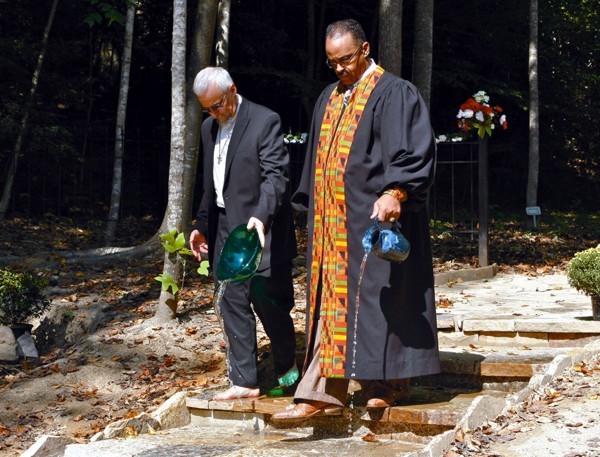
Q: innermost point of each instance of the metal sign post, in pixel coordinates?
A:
(483, 202)
(533, 211)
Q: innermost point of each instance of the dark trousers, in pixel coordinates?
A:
(269, 294)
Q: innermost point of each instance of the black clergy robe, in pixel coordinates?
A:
(394, 145)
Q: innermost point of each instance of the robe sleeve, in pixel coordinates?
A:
(407, 142)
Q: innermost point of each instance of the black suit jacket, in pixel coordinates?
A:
(256, 182)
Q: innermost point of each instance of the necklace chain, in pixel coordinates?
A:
(223, 143)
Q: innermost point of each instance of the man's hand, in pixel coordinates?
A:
(198, 244)
(386, 209)
(260, 228)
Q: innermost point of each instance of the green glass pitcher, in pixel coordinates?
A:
(240, 256)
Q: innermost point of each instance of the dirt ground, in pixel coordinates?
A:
(107, 359)
(102, 358)
(128, 365)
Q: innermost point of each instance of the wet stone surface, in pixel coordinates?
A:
(243, 441)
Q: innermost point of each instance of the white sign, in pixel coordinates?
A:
(533, 211)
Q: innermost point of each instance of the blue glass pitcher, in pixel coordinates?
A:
(388, 244)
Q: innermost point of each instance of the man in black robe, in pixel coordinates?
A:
(370, 154)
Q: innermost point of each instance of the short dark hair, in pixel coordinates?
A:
(340, 28)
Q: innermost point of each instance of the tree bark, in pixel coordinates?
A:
(167, 306)
(222, 44)
(117, 182)
(423, 50)
(320, 45)
(390, 35)
(534, 107)
(14, 163)
(311, 53)
(199, 57)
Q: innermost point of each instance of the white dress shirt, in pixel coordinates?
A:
(220, 154)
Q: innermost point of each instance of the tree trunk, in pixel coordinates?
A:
(167, 306)
(14, 162)
(534, 108)
(390, 35)
(200, 54)
(311, 52)
(423, 53)
(320, 45)
(115, 197)
(222, 45)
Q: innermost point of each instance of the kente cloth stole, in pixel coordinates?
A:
(330, 246)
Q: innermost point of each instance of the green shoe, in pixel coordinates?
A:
(285, 381)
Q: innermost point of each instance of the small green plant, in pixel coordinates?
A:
(174, 243)
(21, 297)
(583, 271)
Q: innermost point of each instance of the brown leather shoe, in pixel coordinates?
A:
(381, 402)
(304, 411)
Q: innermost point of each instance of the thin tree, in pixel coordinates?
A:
(199, 57)
(390, 35)
(115, 198)
(310, 69)
(534, 107)
(222, 43)
(24, 124)
(423, 49)
(167, 306)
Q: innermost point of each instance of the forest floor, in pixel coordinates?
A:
(121, 363)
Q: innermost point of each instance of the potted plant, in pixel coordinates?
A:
(583, 273)
(21, 299)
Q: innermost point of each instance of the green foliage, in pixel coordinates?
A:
(476, 45)
(21, 297)
(203, 268)
(104, 10)
(175, 243)
(168, 282)
(583, 271)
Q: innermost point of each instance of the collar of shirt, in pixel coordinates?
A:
(228, 125)
(350, 88)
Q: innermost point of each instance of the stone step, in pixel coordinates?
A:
(433, 404)
(518, 364)
(425, 411)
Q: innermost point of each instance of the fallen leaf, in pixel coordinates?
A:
(371, 437)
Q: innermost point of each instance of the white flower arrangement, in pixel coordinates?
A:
(295, 138)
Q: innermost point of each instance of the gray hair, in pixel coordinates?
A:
(341, 28)
(210, 76)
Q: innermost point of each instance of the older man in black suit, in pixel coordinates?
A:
(245, 181)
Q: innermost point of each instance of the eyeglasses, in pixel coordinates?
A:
(343, 62)
(216, 106)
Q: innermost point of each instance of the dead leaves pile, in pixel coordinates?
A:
(581, 383)
(146, 386)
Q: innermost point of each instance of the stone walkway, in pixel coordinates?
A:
(503, 336)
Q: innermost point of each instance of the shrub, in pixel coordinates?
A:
(21, 297)
(583, 271)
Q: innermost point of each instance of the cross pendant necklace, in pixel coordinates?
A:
(223, 143)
